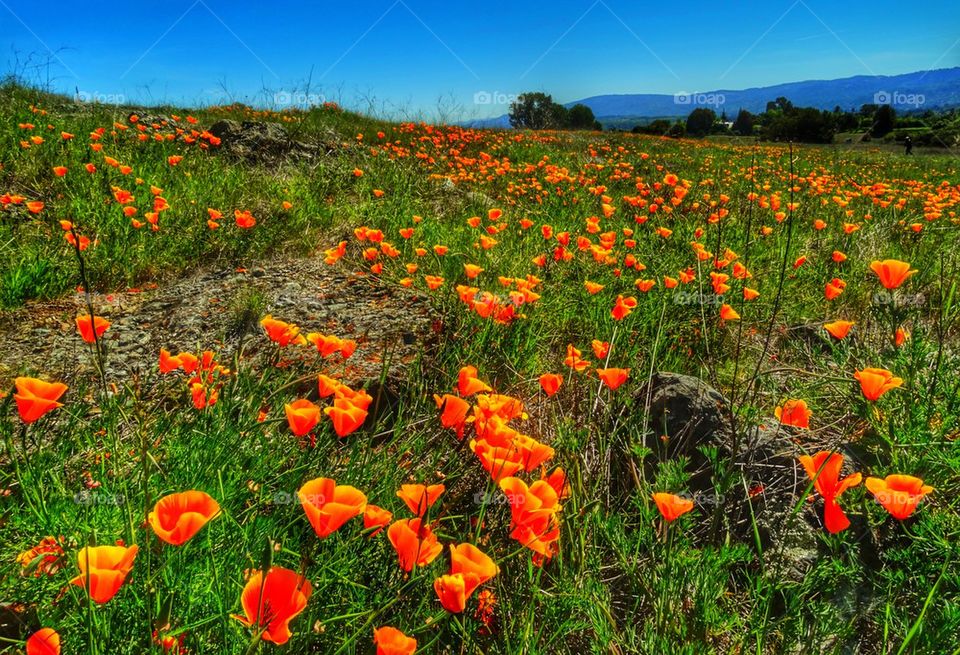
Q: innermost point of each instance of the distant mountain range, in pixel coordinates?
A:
(934, 89)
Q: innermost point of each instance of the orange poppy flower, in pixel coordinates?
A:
(728, 313)
(874, 382)
(899, 494)
(468, 383)
(892, 272)
(59, 171)
(497, 460)
(644, 285)
(280, 332)
(86, 327)
(592, 287)
(414, 542)
(189, 362)
(418, 498)
(613, 377)
(557, 479)
(454, 414)
(271, 602)
(326, 344)
(346, 415)
(532, 452)
(329, 505)
(834, 288)
(108, 566)
(472, 270)
(80, 244)
(44, 558)
(824, 470)
(600, 348)
(390, 641)
(573, 359)
(719, 282)
(35, 397)
(900, 336)
(327, 385)
(44, 641)
(623, 307)
(302, 416)
(672, 506)
(469, 568)
(550, 383)
(838, 329)
(376, 517)
(795, 413)
(244, 219)
(178, 517)
(533, 512)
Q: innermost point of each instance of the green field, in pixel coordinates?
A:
(644, 245)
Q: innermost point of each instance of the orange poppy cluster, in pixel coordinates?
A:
(899, 494)
(504, 452)
(206, 375)
(350, 408)
(175, 519)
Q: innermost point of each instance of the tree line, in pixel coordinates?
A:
(780, 121)
(783, 121)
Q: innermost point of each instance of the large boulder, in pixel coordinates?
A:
(686, 417)
(256, 141)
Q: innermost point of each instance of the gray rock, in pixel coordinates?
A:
(684, 415)
(261, 141)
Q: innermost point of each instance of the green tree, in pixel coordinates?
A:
(657, 127)
(677, 130)
(537, 111)
(580, 117)
(743, 125)
(883, 121)
(700, 121)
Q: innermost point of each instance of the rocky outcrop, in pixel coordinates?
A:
(255, 142)
(685, 417)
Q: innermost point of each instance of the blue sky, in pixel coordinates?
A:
(420, 58)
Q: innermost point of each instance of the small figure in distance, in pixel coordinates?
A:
(908, 145)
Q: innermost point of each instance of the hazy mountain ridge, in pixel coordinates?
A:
(934, 89)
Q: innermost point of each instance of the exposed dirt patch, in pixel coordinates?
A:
(220, 310)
